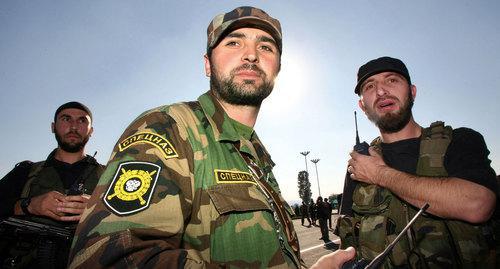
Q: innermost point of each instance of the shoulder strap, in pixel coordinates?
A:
(433, 145)
(376, 144)
(89, 178)
(34, 171)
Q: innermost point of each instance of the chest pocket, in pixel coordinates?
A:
(237, 198)
(370, 199)
(243, 229)
(45, 181)
(376, 228)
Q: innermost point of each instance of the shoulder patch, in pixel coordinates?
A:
(150, 138)
(228, 176)
(132, 187)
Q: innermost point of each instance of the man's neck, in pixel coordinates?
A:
(244, 114)
(411, 130)
(69, 157)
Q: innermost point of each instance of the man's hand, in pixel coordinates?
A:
(74, 206)
(336, 259)
(365, 168)
(448, 197)
(56, 205)
(46, 205)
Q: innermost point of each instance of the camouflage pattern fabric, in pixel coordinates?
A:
(249, 16)
(431, 242)
(177, 193)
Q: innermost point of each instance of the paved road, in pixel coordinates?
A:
(311, 247)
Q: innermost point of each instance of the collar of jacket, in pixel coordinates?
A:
(51, 159)
(222, 126)
(224, 130)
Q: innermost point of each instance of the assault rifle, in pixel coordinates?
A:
(30, 244)
(13, 226)
(349, 183)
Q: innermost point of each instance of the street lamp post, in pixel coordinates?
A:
(305, 158)
(315, 161)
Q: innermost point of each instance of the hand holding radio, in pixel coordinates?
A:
(349, 183)
(360, 147)
(365, 161)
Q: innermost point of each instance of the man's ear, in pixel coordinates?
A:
(91, 131)
(53, 127)
(413, 89)
(208, 71)
(361, 105)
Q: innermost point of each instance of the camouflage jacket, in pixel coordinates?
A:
(177, 192)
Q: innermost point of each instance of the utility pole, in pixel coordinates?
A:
(305, 158)
(315, 161)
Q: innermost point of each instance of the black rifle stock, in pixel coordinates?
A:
(15, 225)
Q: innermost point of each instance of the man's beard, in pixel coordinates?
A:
(240, 94)
(393, 122)
(71, 147)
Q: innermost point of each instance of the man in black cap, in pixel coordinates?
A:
(409, 166)
(55, 191)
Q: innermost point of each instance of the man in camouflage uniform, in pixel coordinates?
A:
(409, 166)
(190, 184)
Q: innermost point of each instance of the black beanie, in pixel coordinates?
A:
(73, 104)
(382, 64)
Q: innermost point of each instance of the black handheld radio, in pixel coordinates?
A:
(360, 147)
(349, 183)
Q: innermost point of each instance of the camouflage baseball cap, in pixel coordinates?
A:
(241, 17)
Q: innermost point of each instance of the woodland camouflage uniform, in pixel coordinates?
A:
(178, 192)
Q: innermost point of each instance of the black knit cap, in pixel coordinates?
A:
(382, 64)
(73, 104)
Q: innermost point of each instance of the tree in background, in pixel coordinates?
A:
(304, 187)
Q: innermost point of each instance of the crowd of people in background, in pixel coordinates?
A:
(191, 185)
(318, 214)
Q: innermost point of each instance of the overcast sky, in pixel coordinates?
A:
(123, 57)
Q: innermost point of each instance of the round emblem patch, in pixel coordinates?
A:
(132, 187)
